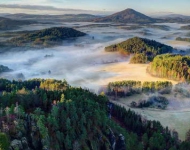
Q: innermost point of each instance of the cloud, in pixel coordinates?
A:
(35, 7)
(41, 9)
(33, 2)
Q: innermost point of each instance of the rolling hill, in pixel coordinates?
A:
(46, 37)
(127, 16)
(143, 50)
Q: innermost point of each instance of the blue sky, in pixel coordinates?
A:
(145, 6)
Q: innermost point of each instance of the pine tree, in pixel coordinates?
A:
(62, 98)
(68, 142)
(4, 142)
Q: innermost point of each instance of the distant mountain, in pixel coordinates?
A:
(127, 16)
(8, 24)
(65, 17)
(174, 16)
(175, 20)
(46, 37)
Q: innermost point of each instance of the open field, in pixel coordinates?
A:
(175, 116)
(125, 71)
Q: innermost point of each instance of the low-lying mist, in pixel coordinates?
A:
(77, 61)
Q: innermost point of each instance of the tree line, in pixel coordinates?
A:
(183, 39)
(130, 87)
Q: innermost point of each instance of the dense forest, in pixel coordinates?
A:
(4, 69)
(46, 37)
(171, 66)
(130, 87)
(143, 49)
(50, 114)
(183, 39)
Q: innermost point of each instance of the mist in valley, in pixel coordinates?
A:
(79, 60)
(84, 63)
(76, 61)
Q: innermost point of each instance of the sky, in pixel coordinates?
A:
(144, 6)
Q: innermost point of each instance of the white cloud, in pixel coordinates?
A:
(33, 2)
(41, 9)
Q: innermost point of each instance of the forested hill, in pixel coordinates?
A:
(175, 67)
(183, 39)
(45, 37)
(127, 16)
(143, 49)
(8, 24)
(49, 114)
(187, 27)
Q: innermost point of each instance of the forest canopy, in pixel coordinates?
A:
(50, 114)
(171, 66)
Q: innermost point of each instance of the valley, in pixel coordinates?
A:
(176, 116)
(57, 70)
